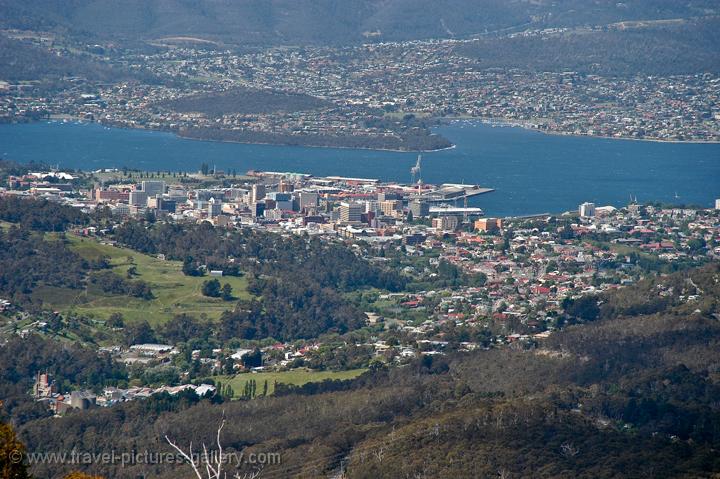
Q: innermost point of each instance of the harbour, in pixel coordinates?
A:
(504, 171)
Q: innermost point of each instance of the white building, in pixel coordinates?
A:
(587, 210)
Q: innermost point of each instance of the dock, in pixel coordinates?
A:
(452, 192)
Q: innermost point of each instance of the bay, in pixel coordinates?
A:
(531, 172)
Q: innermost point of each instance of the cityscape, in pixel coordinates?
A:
(357, 240)
(369, 92)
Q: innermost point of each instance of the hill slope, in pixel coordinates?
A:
(633, 394)
(326, 21)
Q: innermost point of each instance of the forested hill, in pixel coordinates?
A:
(630, 390)
(677, 48)
(264, 22)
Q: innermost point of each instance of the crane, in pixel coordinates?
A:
(415, 170)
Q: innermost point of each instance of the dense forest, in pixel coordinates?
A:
(40, 214)
(624, 394)
(29, 260)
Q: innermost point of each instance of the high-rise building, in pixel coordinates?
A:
(138, 198)
(285, 187)
(587, 210)
(717, 204)
(307, 199)
(351, 212)
(258, 209)
(257, 193)
(153, 188)
(214, 208)
(155, 202)
(283, 201)
(390, 207)
(419, 208)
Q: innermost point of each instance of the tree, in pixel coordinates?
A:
(211, 288)
(213, 462)
(138, 333)
(226, 292)
(252, 360)
(585, 307)
(116, 320)
(182, 328)
(12, 454)
(132, 271)
(189, 268)
(140, 289)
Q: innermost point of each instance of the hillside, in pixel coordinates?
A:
(325, 21)
(630, 394)
(21, 60)
(674, 48)
(245, 101)
(173, 292)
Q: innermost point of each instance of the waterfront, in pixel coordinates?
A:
(531, 172)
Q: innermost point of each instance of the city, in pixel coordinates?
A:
(368, 94)
(359, 239)
(518, 273)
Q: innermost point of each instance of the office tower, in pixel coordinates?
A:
(283, 201)
(351, 212)
(138, 198)
(390, 207)
(257, 193)
(307, 199)
(214, 208)
(153, 188)
(587, 210)
(419, 208)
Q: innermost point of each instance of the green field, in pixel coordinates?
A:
(174, 292)
(298, 377)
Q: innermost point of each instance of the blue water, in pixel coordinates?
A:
(531, 172)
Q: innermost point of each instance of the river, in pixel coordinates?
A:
(531, 172)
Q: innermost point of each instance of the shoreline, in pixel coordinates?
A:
(303, 146)
(186, 137)
(493, 122)
(506, 123)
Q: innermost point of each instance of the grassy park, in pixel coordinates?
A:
(174, 292)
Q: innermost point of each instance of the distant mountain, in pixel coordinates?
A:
(263, 22)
